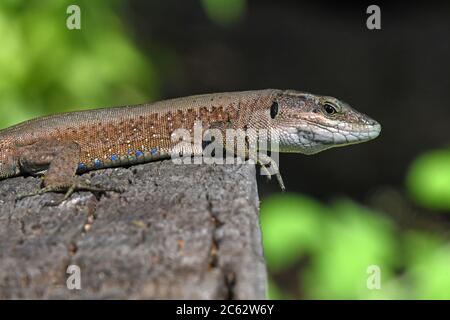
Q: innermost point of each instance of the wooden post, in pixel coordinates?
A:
(177, 232)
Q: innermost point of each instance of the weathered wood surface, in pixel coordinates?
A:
(178, 231)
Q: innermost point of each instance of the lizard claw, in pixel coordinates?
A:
(269, 167)
(266, 172)
(32, 194)
(76, 186)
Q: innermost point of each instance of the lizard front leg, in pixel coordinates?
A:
(61, 159)
(245, 150)
(269, 167)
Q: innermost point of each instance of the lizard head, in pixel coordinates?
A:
(307, 123)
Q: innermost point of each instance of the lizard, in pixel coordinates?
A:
(63, 145)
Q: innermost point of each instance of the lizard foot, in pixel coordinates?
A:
(76, 186)
(269, 167)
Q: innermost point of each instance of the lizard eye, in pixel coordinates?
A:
(274, 110)
(329, 108)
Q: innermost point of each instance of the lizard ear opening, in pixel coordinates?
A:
(274, 110)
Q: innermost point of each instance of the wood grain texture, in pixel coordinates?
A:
(178, 231)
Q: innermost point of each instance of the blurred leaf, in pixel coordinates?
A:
(428, 258)
(290, 226)
(353, 239)
(224, 12)
(274, 293)
(428, 180)
(46, 68)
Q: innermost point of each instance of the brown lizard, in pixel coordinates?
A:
(62, 145)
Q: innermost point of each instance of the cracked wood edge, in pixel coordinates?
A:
(178, 231)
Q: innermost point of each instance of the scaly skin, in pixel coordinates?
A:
(64, 144)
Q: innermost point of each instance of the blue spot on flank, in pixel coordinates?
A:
(139, 153)
(113, 157)
(130, 151)
(97, 163)
(81, 166)
(154, 151)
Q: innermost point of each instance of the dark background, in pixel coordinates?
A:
(399, 75)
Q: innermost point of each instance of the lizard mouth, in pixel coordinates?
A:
(374, 130)
(343, 132)
(316, 137)
(368, 132)
(355, 135)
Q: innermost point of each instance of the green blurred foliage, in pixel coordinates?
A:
(341, 241)
(225, 12)
(352, 239)
(428, 180)
(428, 258)
(291, 230)
(275, 293)
(47, 68)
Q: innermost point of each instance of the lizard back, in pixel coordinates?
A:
(129, 134)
